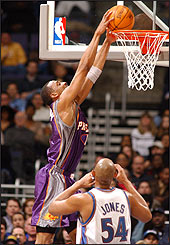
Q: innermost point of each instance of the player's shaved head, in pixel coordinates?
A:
(104, 172)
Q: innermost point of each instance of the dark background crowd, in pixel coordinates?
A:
(25, 128)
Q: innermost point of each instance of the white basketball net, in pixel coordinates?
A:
(141, 66)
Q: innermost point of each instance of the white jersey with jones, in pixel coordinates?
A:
(109, 222)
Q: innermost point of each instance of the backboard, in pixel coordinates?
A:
(74, 51)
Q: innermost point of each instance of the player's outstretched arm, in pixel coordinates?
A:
(98, 63)
(87, 60)
(139, 208)
(67, 203)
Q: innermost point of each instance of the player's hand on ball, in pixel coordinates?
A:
(104, 23)
(87, 181)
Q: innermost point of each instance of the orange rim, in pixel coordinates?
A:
(142, 33)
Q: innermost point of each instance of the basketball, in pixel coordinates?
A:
(123, 18)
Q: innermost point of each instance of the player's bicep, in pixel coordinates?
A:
(138, 211)
(64, 207)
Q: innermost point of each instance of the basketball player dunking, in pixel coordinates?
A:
(69, 135)
(104, 211)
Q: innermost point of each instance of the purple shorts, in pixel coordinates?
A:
(50, 182)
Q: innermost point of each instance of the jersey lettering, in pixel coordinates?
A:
(83, 126)
(111, 206)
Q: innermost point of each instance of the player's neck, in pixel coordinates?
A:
(97, 185)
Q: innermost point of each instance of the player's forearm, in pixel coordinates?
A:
(99, 63)
(102, 55)
(88, 57)
(130, 188)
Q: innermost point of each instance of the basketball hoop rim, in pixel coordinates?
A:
(142, 33)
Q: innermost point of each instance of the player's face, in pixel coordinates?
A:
(58, 86)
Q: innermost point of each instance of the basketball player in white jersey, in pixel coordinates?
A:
(104, 211)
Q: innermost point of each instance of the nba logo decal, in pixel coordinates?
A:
(59, 30)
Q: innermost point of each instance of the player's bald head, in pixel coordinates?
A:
(104, 171)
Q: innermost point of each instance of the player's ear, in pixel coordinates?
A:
(54, 95)
(115, 173)
(93, 173)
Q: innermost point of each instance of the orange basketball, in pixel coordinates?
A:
(123, 18)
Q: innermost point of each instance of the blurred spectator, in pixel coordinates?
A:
(7, 118)
(123, 160)
(18, 220)
(63, 237)
(21, 142)
(144, 188)
(127, 149)
(151, 237)
(157, 148)
(3, 230)
(138, 171)
(155, 166)
(164, 127)
(42, 113)
(61, 73)
(16, 102)
(27, 207)
(162, 185)
(31, 231)
(19, 233)
(31, 81)
(11, 240)
(158, 118)
(165, 140)
(143, 136)
(12, 207)
(13, 56)
(126, 140)
(4, 99)
(41, 130)
(158, 224)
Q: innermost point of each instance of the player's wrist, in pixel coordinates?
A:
(127, 183)
(97, 33)
(77, 184)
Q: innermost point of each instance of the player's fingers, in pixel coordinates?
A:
(107, 12)
(92, 183)
(108, 21)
